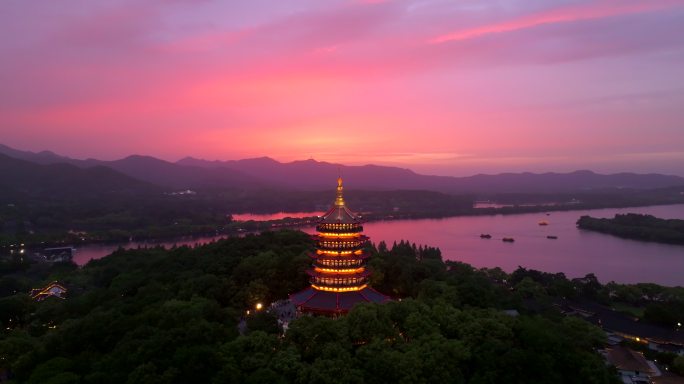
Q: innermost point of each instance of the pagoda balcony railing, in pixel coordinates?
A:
(339, 237)
(338, 284)
(345, 255)
(346, 245)
(339, 228)
(343, 251)
(342, 264)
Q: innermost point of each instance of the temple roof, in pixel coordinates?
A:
(339, 213)
(627, 360)
(313, 300)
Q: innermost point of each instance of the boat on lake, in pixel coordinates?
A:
(508, 239)
(485, 236)
(543, 222)
(552, 237)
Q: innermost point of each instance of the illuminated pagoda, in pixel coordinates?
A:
(339, 279)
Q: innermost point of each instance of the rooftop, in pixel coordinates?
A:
(611, 320)
(339, 213)
(313, 300)
(628, 360)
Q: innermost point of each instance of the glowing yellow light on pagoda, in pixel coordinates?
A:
(345, 289)
(339, 265)
(344, 271)
(336, 253)
(328, 234)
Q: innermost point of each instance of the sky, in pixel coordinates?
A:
(441, 87)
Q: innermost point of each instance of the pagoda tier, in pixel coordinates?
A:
(340, 237)
(338, 276)
(339, 262)
(337, 246)
(339, 229)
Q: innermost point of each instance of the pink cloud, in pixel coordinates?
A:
(598, 10)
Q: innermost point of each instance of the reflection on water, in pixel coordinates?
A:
(89, 252)
(490, 204)
(273, 216)
(575, 252)
(487, 204)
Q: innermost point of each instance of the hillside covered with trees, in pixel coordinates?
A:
(637, 227)
(171, 316)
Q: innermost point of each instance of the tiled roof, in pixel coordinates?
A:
(339, 215)
(313, 300)
(627, 360)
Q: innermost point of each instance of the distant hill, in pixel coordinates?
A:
(564, 182)
(46, 157)
(317, 175)
(21, 178)
(311, 174)
(308, 175)
(150, 170)
(180, 176)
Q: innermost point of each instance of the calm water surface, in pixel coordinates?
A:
(273, 216)
(575, 252)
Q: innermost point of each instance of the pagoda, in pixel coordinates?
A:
(339, 278)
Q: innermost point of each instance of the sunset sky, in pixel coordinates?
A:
(442, 87)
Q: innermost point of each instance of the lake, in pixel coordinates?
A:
(273, 216)
(576, 252)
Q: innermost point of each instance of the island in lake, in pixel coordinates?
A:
(637, 227)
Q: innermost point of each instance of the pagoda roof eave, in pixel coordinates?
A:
(334, 237)
(348, 256)
(334, 275)
(339, 215)
(313, 300)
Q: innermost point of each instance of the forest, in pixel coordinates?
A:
(171, 316)
(637, 227)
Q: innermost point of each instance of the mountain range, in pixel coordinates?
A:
(21, 178)
(140, 172)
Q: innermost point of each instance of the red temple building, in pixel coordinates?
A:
(339, 279)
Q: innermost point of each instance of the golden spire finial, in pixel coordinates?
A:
(339, 201)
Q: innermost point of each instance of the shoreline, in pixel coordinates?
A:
(255, 227)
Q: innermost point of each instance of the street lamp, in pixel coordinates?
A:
(259, 306)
